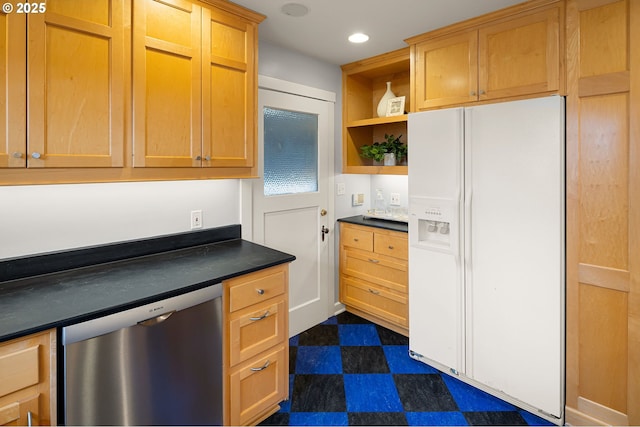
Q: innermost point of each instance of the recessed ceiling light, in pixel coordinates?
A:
(358, 38)
(294, 9)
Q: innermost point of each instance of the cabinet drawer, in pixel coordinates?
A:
(17, 413)
(256, 329)
(392, 245)
(18, 368)
(357, 238)
(389, 272)
(256, 287)
(380, 301)
(257, 385)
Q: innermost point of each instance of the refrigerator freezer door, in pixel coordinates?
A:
(514, 236)
(436, 319)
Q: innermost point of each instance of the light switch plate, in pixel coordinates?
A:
(340, 188)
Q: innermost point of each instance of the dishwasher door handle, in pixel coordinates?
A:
(155, 320)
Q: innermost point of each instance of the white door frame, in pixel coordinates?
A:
(246, 185)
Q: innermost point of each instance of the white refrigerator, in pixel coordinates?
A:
(486, 248)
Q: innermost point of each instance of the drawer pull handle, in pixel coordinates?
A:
(255, 319)
(260, 291)
(390, 246)
(374, 292)
(263, 367)
(29, 419)
(375, 261)
(356, 240)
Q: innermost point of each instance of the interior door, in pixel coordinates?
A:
(291, 209)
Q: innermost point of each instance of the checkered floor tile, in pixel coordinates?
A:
(349, 371)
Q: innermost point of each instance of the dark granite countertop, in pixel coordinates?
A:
(379, 223)
(60, 298)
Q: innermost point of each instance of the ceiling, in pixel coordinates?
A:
(323, 32)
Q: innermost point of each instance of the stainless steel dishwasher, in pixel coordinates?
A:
(157, 364)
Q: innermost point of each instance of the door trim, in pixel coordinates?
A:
(246, 185)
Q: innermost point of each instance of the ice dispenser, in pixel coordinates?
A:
(433, 223)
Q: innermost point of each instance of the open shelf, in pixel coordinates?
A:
(363, 85)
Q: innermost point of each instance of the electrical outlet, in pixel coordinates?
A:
(340, 188)
(196, 219)
(395, 199)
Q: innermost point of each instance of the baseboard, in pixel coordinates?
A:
(590, 413)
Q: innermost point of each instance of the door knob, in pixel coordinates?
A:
(323, 231)
(323, 212)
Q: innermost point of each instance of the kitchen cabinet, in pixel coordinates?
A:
(603, 212)
(256, 346)
(363, 85)
(194, 85)
(514, 52)
(64, 66)
(374, 275)
(27, 380)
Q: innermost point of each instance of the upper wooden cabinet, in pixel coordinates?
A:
(514, 52)
(64, 68)
(194, 85)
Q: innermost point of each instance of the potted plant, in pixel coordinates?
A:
(389, 152)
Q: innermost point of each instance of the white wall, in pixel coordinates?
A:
(44, 218)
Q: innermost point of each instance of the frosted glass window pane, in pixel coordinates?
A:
(290, 152)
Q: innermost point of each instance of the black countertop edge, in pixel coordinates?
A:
(62, 298)
(378, 223)
(51, 262)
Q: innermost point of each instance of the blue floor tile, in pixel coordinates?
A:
(318, 419)
(358, 335)
(318, 360)
(436, 419)
(400, 363)
(371, 393)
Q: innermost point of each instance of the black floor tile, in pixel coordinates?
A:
(277, 419)
(318, 393)
(424, 393)
(377, 419)
(346, 318)
(388, 337)
(495, 418)
(364, 360)
(293, 352)
(320, 335)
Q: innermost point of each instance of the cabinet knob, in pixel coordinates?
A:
(390, 246)
(207, 158)
(260, 291)
(482, 92)
(374, 291)
(355, 239)
(198, 157)
(36, 155)
(472, 93)
(17, 155)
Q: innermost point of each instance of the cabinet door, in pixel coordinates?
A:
(166, 83)
(76, 85)
(229, 89)
(447, 71)
(13, 90)
(520, 56)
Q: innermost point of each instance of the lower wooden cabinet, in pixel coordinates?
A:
(27, 380)
(374, 280)
(256, 345)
